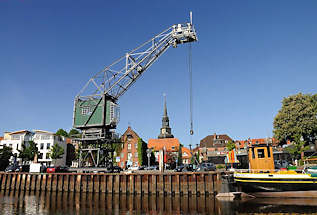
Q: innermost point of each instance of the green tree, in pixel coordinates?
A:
(73, 133)
(56, 152)
(28, 151)
(297, 148)
(297, 117)
(230, 145)
(5, 154)
(117, 147)
(142, 147)
(61, 132)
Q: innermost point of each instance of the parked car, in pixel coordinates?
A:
(280, 164)
(151, 168)
(51, 169)
(13, 168)
(133, 168)
(55, 169)
(114, 169)
(184, 168)
(206, 167)
(142, 167)
(25, 168)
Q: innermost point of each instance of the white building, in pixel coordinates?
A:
(16, 139)
(43, 139)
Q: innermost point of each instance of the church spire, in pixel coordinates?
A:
(165, 108)
(165, 130)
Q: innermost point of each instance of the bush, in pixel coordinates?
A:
(220, 166)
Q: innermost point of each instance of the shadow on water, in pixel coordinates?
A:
(88, 203)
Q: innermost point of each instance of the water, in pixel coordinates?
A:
(76, 203)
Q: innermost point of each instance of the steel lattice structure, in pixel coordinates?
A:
(115, 79)
(95, 106)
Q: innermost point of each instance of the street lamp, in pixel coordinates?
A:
(198, 152)
(148, 151)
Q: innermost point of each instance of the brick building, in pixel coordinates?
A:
(129, 153)
(213, 147)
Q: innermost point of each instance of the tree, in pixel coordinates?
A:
(5, 154)
(230, 145)
(73, 133)
(28, 151)
(142, 156)
(297, 148)
(56, 152)
(117, 148)
(297, 117)
(61, 132)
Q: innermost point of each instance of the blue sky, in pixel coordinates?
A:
(249, 56)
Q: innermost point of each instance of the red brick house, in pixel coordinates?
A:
(129, 153)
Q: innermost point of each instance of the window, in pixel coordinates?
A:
(86, 111)
(136, 154)
(268, 151)
(48, 146)
(173, 147)
(41, 156)
(122, 155)
(42, 146)
(129, 146)
(129, 156)
(45, 137)
(15, 137)
(136, 146)
(260, 153)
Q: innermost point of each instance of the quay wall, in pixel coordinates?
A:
(205, 183)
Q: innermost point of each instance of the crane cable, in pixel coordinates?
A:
(190, 88)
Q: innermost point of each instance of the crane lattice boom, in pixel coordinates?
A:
(114, 80)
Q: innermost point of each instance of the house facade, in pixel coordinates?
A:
(213, 148)
(128, 156)
(43, 139)
(15, 140)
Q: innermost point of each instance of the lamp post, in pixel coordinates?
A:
(190, 149)
(198, 153)
(148, 152)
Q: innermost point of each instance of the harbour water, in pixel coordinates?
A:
(88, 203)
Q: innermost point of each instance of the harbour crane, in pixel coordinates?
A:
(96, 109)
